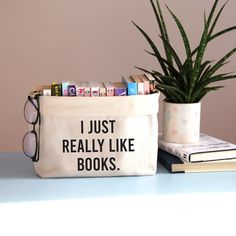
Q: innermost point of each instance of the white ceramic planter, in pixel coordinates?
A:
(181, 122)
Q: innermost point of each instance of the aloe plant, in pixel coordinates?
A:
(187, 81)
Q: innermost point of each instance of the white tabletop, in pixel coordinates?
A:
(105, 206)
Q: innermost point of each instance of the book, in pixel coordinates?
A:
(175, 165)
(110, 90)
(87, 89)
(94, 86)
(132, 86)
(120, 89)
(146, 83)
(140, 84)
(102, 89)
(152, 82)
(80, 89)
(56, 89)
(207, 149)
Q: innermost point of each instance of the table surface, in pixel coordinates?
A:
(18, 182)
(149, 205)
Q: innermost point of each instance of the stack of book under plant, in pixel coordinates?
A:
(209, 154)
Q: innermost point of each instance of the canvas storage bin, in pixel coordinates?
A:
(97, 136)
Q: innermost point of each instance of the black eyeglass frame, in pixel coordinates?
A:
(35, 156)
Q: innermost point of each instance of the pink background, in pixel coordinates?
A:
(53, 40)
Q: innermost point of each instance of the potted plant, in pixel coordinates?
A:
(184, 83)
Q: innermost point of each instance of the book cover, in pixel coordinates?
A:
(87, 89)
(146, 83)
(80, 89)
(140, 84)
(120, 89)
(175, 165)
(94, 86)
(132, 86)
(207, 149)
(152, 82)
(65, 88)
(102, 89)
(110, 90)
(56, 89)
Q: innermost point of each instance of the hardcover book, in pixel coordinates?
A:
(132, 86)
(120, 89)
(140, 84)
(110, 90)
(207, 149)
(102, 89)
(146, 83)
(175, 165)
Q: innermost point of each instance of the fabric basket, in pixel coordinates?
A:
(97, 136)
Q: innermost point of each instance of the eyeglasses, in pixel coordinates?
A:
(30, 141)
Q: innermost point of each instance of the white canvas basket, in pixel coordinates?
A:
(98, 136)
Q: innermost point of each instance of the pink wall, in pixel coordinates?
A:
(52, 40)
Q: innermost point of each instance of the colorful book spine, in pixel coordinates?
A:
(152, 83)
(146, 83)
(80, 89)
(102, 90)
(120, 89)
(87, 89)
(65, 88)
(94, 89)
(132, 86)
(71, 90)
(56, 89)
(47, 92)
(140, 84)
(109, 89)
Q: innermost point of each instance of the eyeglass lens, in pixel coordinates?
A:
(29, 144)
(30, 111)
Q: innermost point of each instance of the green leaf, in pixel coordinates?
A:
(222, 32)
(216, 19)
(174, 92)
(205, 67)
(183, 34)
(220, 63)
(204, 91)
(202, 46)
(165, 33)
(173, 53)
(154, 48)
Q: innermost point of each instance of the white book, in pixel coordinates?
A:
(140, 84)
(94, 89)
(207, 149)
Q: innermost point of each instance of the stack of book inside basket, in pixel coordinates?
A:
(209, 154)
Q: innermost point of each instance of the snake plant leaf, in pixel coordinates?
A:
(161, 24)
(154, 48)
(170, 81)
(211, 38)
(183, 34)
(216, 19)
(220, 63)
(205, 67)
(175, 93)
(222, 32)
(204, 91)
(173, 53)
(165, 33)
(202, 84)
(202, 45)
(216, 78)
